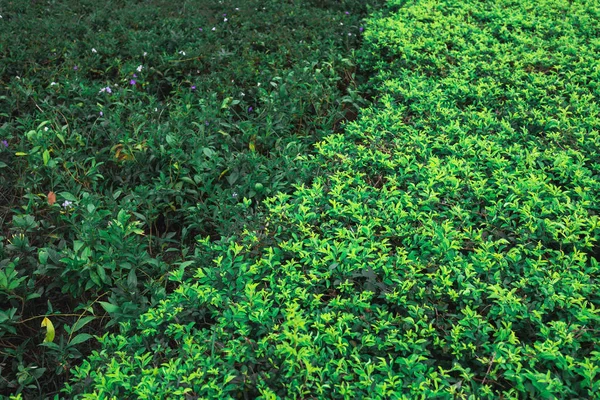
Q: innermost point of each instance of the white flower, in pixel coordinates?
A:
(94, 50)
(182, 53)
(67, 203)
(242, 94)
(213, 29)
(224, 19)
(341, 23)
(45, 129)
(53, 83)
(139, 69)
(145, 54)
(237, 9)
(234, 195)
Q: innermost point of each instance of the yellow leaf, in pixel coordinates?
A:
(223, 173)
(49, 330)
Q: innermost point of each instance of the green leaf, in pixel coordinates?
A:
(32, 296)
(82, 337)
(102, 273)
(132, 279)
(80, 323)
(110, 308)
(67, 196)
(46, 157)
(171, 140)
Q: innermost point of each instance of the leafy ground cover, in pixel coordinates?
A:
(131, 129)
(450, 250)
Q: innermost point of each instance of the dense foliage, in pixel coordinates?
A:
(129, 129)
(447, 249)
(450, 251)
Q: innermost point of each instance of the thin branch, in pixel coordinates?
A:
(489, 368)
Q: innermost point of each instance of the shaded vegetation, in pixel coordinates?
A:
(132, 129)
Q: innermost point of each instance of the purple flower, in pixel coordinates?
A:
(200, 29)
(75, 68)
(66, 203)
(206, 123)
(250, 109)
(101, 113)
(135, 75)
(5, 143)
(193, 87)
(361, 29)
(347, 13)
(132, 82)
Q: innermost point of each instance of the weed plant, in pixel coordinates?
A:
(133, 131)
(449, 251)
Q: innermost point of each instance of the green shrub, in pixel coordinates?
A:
(449, 250)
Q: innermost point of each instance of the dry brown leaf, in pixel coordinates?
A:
(51, 198)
